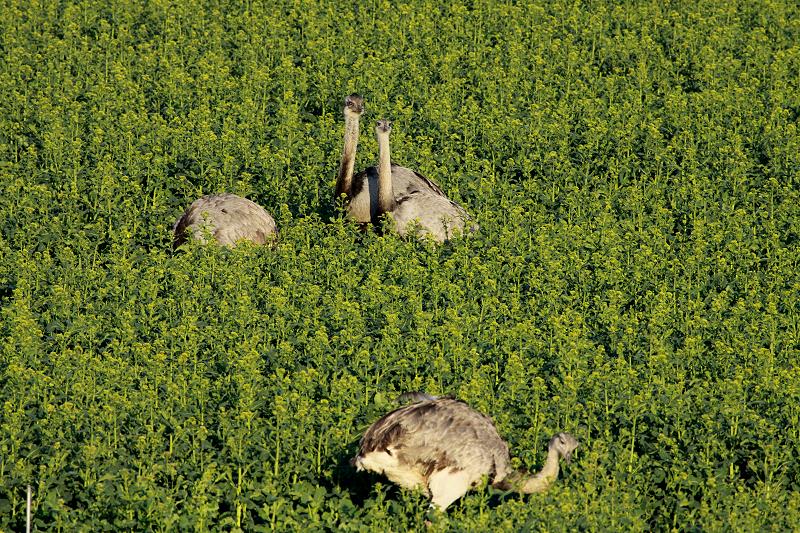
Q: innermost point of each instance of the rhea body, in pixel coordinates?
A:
(411, 199)
(419, 202)
(226, 219)
(444, 447)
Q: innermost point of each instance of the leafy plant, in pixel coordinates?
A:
(634, 170)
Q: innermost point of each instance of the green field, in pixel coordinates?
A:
(635, 171)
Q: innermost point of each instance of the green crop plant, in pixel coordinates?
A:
(635, 171)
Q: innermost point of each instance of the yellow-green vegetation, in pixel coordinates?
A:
(635, 173)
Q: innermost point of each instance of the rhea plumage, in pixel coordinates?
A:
(408, 197)
(226, 219)
(444, 447)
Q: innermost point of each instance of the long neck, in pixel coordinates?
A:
(539, 482)
(344, 180)
(386, 202)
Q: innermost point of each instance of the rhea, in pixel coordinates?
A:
(353, 108)
(444, 447)
(408, 197)
(226, 219)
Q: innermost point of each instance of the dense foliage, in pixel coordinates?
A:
(634, 169)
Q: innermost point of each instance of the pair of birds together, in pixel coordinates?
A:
(411, 199)
(439, 445)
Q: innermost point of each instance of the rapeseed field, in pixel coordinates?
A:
(635, 172)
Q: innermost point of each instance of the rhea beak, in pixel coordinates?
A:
(573, 450)
(568, 457)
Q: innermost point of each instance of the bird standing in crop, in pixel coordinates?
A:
(444, 447)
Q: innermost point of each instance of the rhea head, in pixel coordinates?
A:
(353, 104)
(564, 444)
(383, 126)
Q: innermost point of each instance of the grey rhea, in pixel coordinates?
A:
(411, 199)
(444, 447)
(353, 108)
(227, 219)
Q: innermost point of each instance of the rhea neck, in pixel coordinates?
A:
(386, 202)
(344, 179)
(545, 477)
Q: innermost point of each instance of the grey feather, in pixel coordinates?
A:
(227, 219)
(416, 396)
(419, 202)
